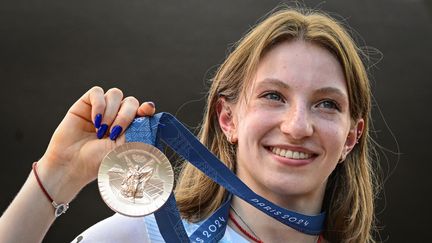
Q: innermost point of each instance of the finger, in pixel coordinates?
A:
(89, 105)
(97, 101)
(125, 115)
(146, 109)
(113, 98)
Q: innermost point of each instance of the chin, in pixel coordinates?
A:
(283, 191)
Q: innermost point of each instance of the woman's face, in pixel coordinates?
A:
(293, 124)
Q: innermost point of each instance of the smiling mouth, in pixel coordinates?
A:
(290, 154)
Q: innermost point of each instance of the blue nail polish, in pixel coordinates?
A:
(98, 120)
(102, 130)
(115, 132)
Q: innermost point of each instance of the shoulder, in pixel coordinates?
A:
(117, 228)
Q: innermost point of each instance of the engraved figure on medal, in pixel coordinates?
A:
(135, 179)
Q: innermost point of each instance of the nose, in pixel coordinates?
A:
(297, 122)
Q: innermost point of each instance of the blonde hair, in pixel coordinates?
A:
(350, 193)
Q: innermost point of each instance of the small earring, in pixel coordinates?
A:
(341, 159)
(230, 138)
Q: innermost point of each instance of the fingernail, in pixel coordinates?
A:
(151, 103)
(115, 132)
(98, 120)
(102, 130)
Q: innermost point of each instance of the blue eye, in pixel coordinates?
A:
(328, 104)
(273, 96)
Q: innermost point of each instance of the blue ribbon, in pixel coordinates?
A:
(165, 127)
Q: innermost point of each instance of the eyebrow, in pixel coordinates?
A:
(283, 85)
(274, 81)
(331, 90)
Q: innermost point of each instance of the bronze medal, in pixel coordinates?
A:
(135, 179)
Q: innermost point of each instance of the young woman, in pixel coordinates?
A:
(288, 111)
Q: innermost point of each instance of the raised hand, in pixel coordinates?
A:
(92, 127)
(71, 160)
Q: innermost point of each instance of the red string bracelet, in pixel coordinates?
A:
(58, 208)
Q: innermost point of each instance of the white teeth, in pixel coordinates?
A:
(302, 156)
(291, 154)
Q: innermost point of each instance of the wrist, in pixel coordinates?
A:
(57, 182)
(59, 208)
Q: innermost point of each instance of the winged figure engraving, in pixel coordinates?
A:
(134, 178)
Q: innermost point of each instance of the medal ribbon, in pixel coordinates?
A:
(165, 127)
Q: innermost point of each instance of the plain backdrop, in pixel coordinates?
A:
(51, 52)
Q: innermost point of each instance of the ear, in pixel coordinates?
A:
(354, 135)
(226, 119)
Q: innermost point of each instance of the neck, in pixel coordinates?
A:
(266, 228)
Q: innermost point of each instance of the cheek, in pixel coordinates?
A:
(254, 123)
(333, 136)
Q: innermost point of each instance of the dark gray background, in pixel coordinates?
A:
(51, 52)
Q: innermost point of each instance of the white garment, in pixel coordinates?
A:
(119, 228)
